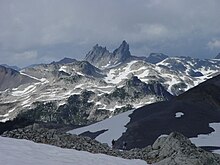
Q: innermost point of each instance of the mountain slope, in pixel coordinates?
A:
(10, 78)
(12, 67)
(111, 89)
(190, 113)
(193, 113)
(23, 152)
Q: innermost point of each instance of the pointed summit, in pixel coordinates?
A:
(123, 52)
(100, 57)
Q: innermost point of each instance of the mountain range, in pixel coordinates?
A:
(105, 84)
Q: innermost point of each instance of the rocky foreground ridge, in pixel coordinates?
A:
(172, 149)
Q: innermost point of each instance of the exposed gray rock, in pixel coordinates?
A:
(102, 58)
(177, 149)
(10, 78)
(122, 53)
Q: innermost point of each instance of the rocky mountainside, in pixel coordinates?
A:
(60, 84)
(195, 113)
(101, 92)
(192, 113)
(172, 149)
(10, 78)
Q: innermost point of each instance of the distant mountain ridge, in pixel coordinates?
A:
(64, 61)
(155, 58)
(12, 67)
(104, 90)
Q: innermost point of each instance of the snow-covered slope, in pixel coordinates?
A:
(114, 127)
(57, 82)
(23, 152)
(210, 140)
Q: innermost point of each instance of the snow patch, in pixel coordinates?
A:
(63, 69)
(43, 80)
(25, 91)
(179, 114)
(115, 126)
(114, 78)
(211, 139)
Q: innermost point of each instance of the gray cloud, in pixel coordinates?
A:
(47, 30)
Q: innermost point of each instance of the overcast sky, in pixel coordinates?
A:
(41, 31)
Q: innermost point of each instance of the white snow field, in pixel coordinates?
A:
(115, 126)
(24, 152)
(212, 139)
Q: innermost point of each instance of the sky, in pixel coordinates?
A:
(42, 31)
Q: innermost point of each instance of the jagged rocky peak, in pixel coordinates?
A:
(100, 57)
(96, 54)
(156, 57)
(123, 52)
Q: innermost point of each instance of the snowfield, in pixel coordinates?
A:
(115, 126)
(212, 139)
(23, 152)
